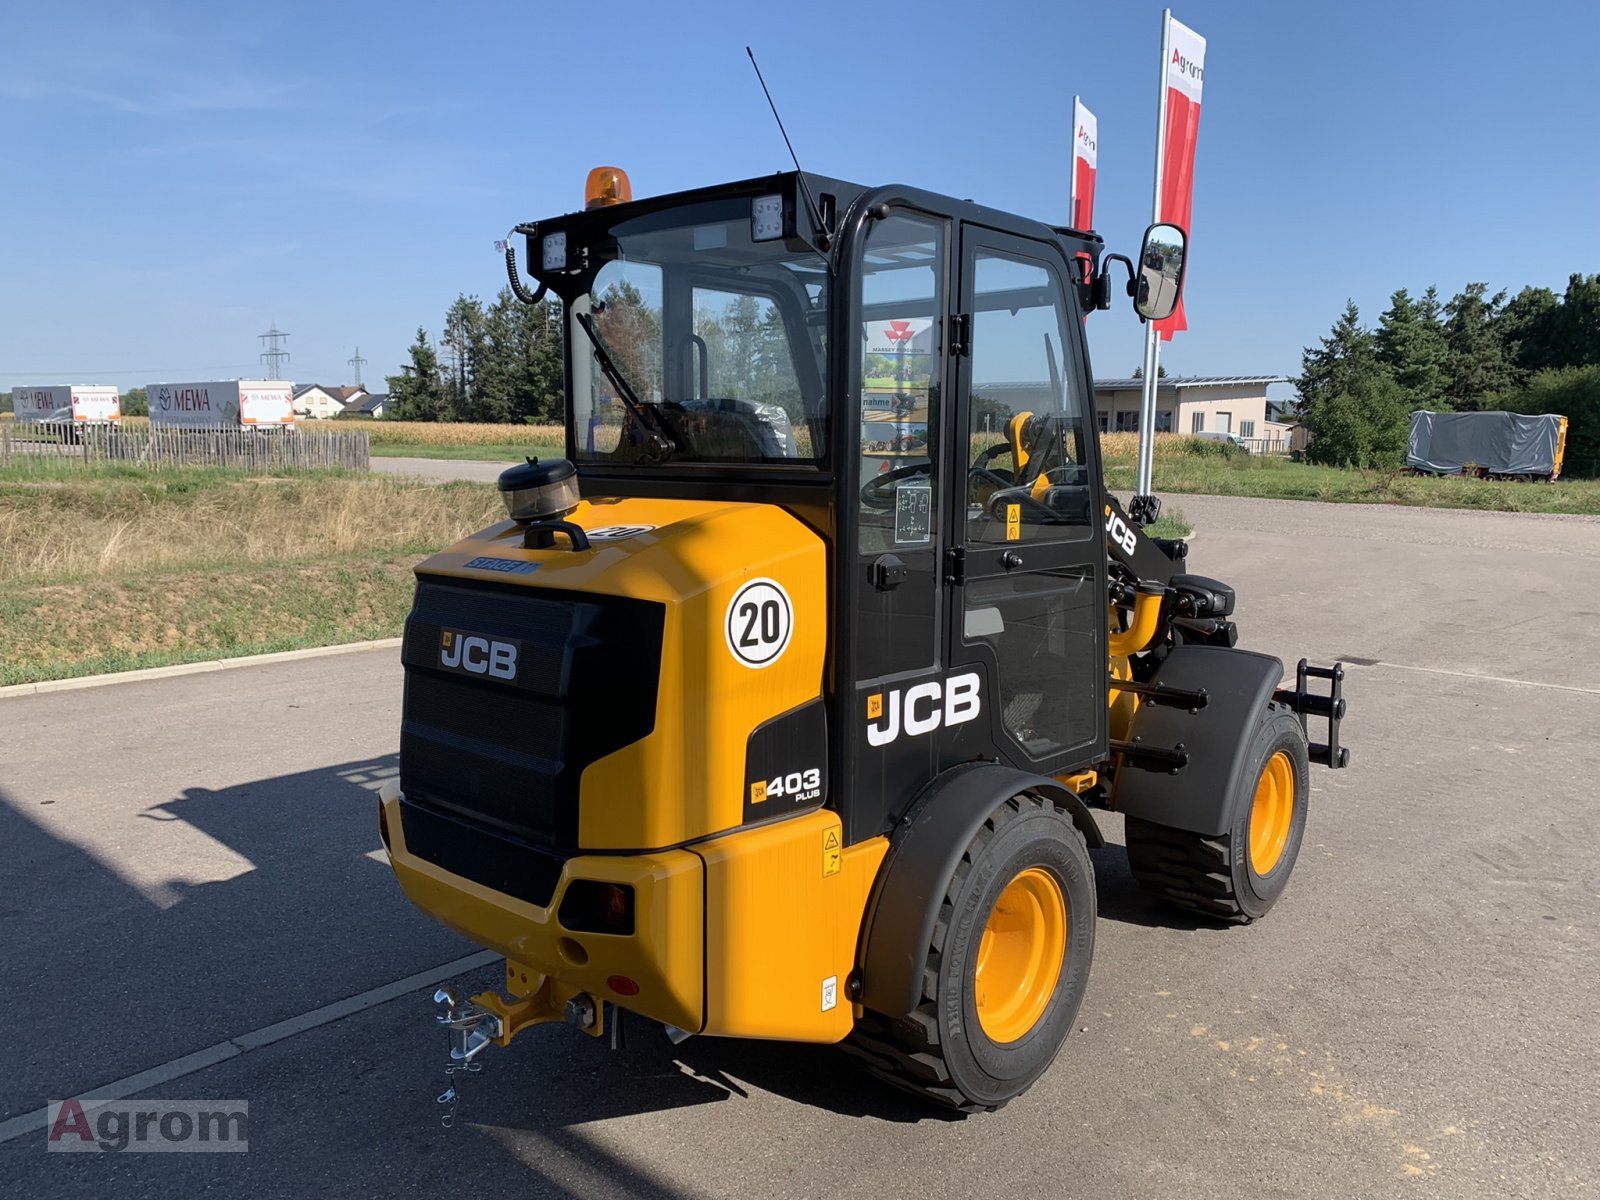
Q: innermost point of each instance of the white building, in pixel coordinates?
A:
(1235, 404)
(320, 403)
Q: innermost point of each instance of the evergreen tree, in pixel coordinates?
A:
(1345, 355)
(1354, 410)
(1477, 366)
(1410, 343)
(1576, 336)
(466, 344)
(418, 393)
(1527, 329)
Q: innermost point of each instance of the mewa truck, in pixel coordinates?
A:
(66, 404)
(225, 404)
(728, 727)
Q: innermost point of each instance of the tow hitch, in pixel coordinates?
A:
(472, 1028)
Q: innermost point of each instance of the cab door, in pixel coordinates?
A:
(897, 473)
(1027, 584)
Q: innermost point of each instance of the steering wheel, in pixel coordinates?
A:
(877, 493)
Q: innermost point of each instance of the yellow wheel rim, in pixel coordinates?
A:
(1020, 956)
(1272, 813)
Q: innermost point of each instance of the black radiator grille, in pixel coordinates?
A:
(507, 755)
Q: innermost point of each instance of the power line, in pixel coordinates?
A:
(274, 356)
(357, 362)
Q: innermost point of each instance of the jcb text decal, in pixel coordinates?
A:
(923, 708)
(477, 655)
(1119, 531)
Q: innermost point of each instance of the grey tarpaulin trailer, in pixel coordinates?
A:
(1493, 444)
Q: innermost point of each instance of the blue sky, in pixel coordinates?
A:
(176, 177)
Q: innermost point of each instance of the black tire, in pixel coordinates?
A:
(1216, 876)
(941, 1051)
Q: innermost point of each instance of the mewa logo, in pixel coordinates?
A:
(478, 655)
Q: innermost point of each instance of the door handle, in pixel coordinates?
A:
(888, 572)
(1011, 560)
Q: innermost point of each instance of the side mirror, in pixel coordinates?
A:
(1158, 281)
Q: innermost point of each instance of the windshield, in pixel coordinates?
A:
(696, 344)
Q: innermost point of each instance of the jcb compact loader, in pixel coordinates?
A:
(782, 705)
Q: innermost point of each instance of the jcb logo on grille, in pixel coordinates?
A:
(478, 655)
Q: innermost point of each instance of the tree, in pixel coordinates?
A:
(1161, 371)
(1410, 343)
(418, 393)
(1364, 425)
(1526, 326)
(1354, 411)
(1345, 355)
(1477, 366)
(135, 403)
(466, 343)
(521, 379)
(1573, 392)
(1576, 336)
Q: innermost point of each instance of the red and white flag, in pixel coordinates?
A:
(1085, 161)
(1186, 57)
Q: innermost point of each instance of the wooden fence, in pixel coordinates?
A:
(239, 449)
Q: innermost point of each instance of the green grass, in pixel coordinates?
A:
(1280, 479)
(1174, 523)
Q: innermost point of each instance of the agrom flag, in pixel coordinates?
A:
(1085, 161)
(1186, 57)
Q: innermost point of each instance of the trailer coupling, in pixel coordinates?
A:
(1309, 704)
(487, 1019)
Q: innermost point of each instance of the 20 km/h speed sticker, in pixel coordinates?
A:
(759, 623)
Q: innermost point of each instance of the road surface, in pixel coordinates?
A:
(187, 862)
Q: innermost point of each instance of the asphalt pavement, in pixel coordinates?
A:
(187, 862)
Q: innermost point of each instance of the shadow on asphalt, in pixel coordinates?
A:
(1122, 899)
(191, 939)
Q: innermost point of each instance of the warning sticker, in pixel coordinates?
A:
(830, 993)
(1013, 522)
(832, 855)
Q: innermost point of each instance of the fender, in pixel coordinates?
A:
(923, 852)
(1239, 684)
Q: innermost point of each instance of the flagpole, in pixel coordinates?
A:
(1152, 340)
(1072, 166)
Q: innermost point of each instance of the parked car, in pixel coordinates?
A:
(1219, 436)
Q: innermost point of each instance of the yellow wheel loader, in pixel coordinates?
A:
(782, 705)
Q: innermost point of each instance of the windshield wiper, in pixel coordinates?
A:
(661, 440)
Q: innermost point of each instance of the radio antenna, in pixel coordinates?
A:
(824, 238)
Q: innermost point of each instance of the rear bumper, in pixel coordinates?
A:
(663, 956)
(752, 933)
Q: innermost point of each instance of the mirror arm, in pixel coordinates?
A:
(1102, 282)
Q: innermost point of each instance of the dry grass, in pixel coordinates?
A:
(422, 433)
(110, 570)
(98, 527)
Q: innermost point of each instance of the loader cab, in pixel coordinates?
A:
(907, 375)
